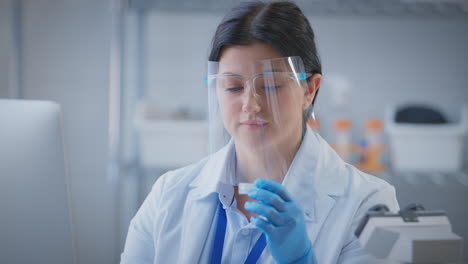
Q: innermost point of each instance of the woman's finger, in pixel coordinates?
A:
(263, 225)
(268, 198)
(266, 211)
(274, 187)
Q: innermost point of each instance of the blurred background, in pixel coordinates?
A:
(129, 76)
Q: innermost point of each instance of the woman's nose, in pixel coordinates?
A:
(250, 102)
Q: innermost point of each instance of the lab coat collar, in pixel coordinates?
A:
(316, 171)
(316, 167)
(215, 173)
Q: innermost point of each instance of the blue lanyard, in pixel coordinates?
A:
(217, 251)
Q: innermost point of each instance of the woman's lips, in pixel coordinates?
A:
(254, 123)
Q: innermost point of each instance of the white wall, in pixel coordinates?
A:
(66, 59)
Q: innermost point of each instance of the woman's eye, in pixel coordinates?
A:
(271, 88)
(234, 89)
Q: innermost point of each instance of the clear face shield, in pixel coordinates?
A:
(259, 107)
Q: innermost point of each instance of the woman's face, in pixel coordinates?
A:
(252, 118)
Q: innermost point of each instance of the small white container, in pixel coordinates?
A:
(427, 147)
(166, 143)
(244, 187)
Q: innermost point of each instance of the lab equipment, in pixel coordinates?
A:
(34, 198)
(419, 114)
(413, 235)
(372, 147)
(417, 144)
(282, 223)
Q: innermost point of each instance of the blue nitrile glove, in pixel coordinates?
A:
(285, 229)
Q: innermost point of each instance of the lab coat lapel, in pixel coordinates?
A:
(316, 206)
(330, 181)
(195, 237)
(323, 205)
(202, 202)
(315, 179)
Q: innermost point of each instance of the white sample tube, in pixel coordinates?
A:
(244, 187)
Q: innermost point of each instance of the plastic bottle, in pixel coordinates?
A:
(342, 143)
(372, 147)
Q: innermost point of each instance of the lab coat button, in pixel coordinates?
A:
(245, 232)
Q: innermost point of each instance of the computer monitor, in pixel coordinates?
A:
(35, 216)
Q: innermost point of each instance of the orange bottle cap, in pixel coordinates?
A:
(342, 124)
(374, 124)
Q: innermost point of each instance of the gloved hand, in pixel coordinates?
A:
(283, 223)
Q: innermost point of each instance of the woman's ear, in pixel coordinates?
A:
(313, 84)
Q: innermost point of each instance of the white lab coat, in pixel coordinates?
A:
(176, 222)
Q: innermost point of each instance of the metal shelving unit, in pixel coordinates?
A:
(401, 8)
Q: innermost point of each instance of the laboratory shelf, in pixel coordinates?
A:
(166, 142)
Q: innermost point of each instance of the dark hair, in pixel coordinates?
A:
(280, 24)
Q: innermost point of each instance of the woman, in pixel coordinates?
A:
(263, 77)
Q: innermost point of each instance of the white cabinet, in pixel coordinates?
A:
(166, 143)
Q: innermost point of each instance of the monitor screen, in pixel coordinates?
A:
(35, 222)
